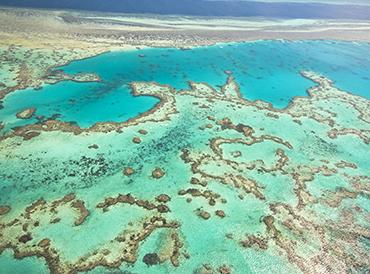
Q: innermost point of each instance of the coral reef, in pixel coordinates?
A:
(26, 114)
(251, 180)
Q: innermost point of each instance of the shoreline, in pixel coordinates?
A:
(74, 29)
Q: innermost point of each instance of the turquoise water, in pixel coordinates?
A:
(10, 265)
(265, 70)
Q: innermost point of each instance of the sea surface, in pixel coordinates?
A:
(357, 10)
(265, 70)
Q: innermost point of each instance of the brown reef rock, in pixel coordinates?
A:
(158, 173)
(26, 113)
(163, 198)
(136, 140)
(203, 214)
(4, 210)
(220, 213)
(128, 171)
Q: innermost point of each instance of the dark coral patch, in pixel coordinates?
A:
(151, 259)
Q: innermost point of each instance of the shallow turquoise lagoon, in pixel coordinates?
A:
(10, 265)
(265, 70)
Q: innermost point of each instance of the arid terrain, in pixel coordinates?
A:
(71, 29)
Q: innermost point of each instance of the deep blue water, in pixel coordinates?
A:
(206, 8)
(265, 70)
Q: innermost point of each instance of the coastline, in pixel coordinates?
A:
(73, 29)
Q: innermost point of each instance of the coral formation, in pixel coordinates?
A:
(252, 179)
